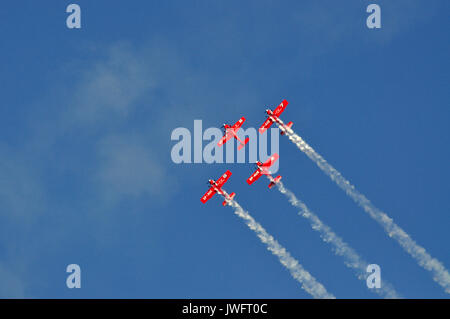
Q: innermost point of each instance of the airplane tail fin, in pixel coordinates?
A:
(275, 181)
(243, 144)
(289, 125)
(230, 197)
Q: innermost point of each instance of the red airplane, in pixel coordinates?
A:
(275, 117)
(216, 187)
(263, 169)
(231, 131)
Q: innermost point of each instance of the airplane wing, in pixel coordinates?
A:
(280, 108)
(265, 125)
(223, 179)
(228, 135)
(271, 160)
(210, 193)
(257, 174)
(238, 124)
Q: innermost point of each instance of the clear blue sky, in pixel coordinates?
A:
(86, 115)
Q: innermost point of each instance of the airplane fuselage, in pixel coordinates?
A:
(262, 169)
(216, 188)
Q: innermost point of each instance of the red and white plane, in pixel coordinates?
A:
(263, 169)
(231, 131)
(274, 116)
(216, 187)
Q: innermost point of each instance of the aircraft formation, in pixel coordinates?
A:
(339, 247)
(261, 168)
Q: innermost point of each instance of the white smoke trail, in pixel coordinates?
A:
(341, 248)
(439, 272)
(308, 282)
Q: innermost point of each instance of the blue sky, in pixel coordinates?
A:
(86, 116)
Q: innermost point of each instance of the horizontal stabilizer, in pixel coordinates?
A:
(230, 197)
(275, 181)
(287, 126)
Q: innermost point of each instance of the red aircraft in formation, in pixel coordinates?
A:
(274, 116)
(262, 168)
(216, 187)
(231, 131)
